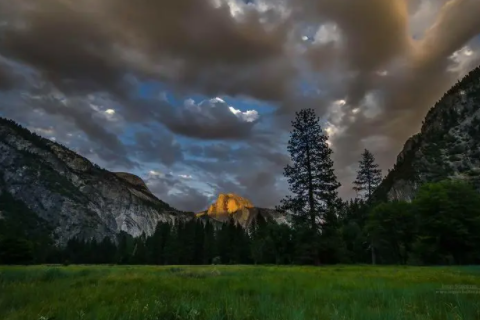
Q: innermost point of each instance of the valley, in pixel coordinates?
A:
(240, 160)
(239, 292)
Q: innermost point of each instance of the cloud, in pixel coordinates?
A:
(158, 146)
(8, 79)
(247, 116)
(76, 111)
(367, 67)
(67, 47)
(176, 192)
(219, 150)
(464, 60)
(210, 119)
(423, 13)
(107, 152)
(91, 45)
(5, 81)
(262, 187)
(5, 78)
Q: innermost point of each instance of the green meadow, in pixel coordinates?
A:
(238, 292)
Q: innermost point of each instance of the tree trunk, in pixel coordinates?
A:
(369, 181)
(310, 189)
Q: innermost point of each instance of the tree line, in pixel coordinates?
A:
(440, 226)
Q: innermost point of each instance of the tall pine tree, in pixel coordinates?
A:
(369, 175)
(311, 179)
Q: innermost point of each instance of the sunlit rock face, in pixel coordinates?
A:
(75, 197)
(227, 204)
(241, 210)
(447, 147)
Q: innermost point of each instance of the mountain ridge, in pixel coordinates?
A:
(78, 198)
(447, 146)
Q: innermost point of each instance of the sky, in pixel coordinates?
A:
(197, 97)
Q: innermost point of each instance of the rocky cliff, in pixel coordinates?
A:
(447, 147)
(240, 209)
(75, 197)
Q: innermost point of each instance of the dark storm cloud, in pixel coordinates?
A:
(219, 151)
(261, 187)
(8, 78)
(104, 157)
(407, 94)
(64, 43)
(259, 180)
(83, 118)
(6, 81)
(190, 199)
(154, 147)
(91, 45)
(177, 192)
(373, 33)
(193, 30)
(81, 133)
(208, 120)
(457, 23)
(213, 52)
(79, 112)
(374, 30)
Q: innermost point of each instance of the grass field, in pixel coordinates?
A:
(239, 292)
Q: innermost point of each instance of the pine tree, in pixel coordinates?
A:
(198, 242)
(310, 177)
(369, 175)
(171, 247)
(209, 247)
(140, 253)
(154, 245)
(261, 245)
(125, 248)
(15, 251)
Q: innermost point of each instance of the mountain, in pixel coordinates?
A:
(240, 209)
(447, 147)
(69, 194)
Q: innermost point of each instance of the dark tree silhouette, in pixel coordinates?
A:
(369, 175)
(311, 179)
